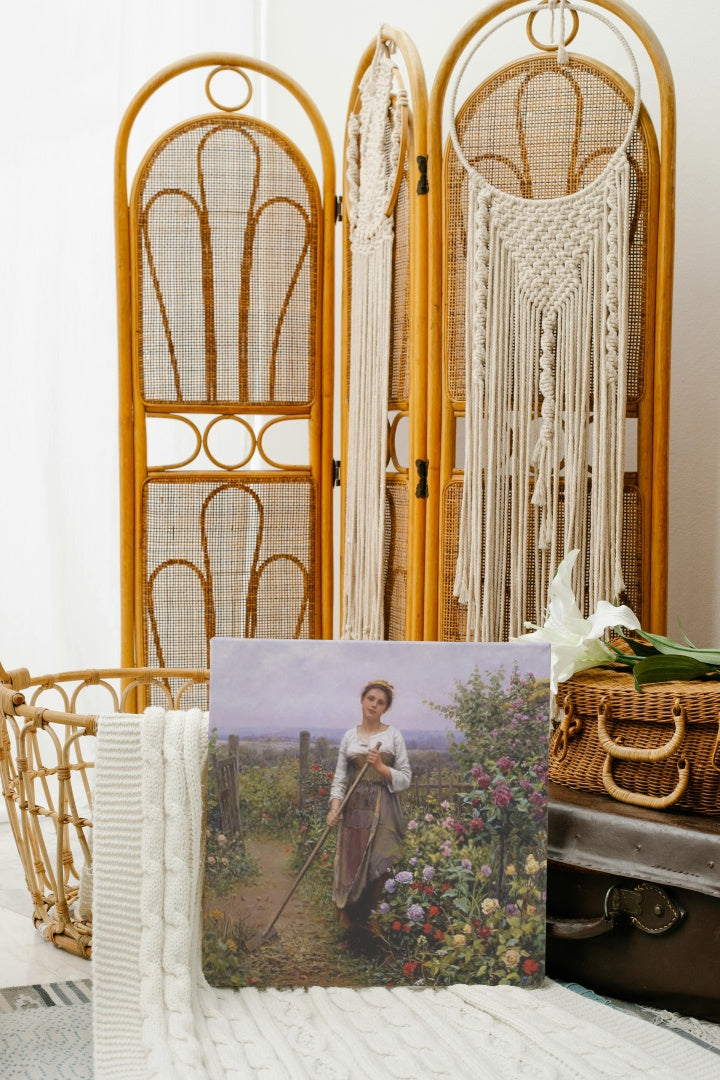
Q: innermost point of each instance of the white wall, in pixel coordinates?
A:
(68, 71)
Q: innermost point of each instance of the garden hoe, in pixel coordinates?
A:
(270, 931)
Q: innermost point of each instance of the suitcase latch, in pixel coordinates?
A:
(646, 905)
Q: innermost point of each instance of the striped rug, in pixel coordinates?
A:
(46, 1031)
(41, 995)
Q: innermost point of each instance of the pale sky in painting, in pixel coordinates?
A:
(295, 684)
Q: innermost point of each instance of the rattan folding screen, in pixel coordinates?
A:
(225, 285)
(225, 255)
(516, 126)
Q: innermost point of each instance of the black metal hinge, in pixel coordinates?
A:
(422, 187)
(338, 208)
(336, 473)
(421, 491)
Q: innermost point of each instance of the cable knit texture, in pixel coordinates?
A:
(156, 1016)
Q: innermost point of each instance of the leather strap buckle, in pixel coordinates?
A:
(647, 906)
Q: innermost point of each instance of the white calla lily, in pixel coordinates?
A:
(575, 642)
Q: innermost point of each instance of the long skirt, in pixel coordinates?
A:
(370, 837)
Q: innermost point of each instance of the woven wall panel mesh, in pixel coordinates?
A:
(452, 623)
(226, 223)
(232, 558)
(396, 556)
(540, 131)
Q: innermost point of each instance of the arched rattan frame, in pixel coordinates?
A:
(653, 413)
(313, 611)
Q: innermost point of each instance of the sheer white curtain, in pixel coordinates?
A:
(68, 71)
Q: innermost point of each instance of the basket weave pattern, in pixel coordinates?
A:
(658, 747)
(46, 762)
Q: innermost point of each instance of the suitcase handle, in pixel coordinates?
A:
(634, 753)
(634, 798)
(647, 906)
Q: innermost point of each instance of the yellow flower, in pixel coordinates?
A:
(531, 865)
(459, 939)
(216, 913)
(530, 909)
(510, 870)
(467, 928)
(232, 945)
(511, 959)
(490, 905)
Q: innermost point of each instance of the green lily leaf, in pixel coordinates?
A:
(640, 648)
(671, 648)
(666, 668)
(620, 657)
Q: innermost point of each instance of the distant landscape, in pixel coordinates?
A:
(418, 739)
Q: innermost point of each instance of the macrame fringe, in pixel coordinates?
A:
(372, 162)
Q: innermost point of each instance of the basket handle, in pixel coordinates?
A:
(570, 726)
(652, 802)
(633, 753)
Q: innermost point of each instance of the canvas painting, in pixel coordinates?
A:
(376, 813)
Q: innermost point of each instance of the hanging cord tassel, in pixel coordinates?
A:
(560, 5)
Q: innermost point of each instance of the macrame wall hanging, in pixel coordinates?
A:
(546, 337)
(375, 160)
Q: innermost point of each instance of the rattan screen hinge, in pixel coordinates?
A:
(423, 186)
(335, 473)
(338, 208)
(421, 490)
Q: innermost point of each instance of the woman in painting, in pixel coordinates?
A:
(371, 829)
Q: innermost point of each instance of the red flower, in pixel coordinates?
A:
(315, 768)
(530, 966)
(428, 890)
(416, 885)
(397, 925)
(433, 910)
(322, 791)
(484, 933)
(438, 935)
(427, 928)
(409, 968)
(406, 927)
(445, 886)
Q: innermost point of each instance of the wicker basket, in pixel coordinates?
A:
(46, 754)
(658, 747)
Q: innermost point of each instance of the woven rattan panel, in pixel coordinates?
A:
(452, 625)
(539, 131)
(226, 218)
(396, 556)
(232, 557)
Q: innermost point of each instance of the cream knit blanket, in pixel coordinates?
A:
(155, 1016)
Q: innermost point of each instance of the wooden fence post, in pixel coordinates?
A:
(304, 771)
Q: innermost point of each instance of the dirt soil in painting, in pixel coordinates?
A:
(310, 947)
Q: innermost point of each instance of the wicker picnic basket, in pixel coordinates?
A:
(46, 758)
(658, 747)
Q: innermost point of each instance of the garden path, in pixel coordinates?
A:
(309, 948)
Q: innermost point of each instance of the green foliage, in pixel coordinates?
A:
(269, 797)
(468, 902)
(655, 659)
(226, 859)
(445, 918)
(224, 958)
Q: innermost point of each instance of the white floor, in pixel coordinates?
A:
(25, 957)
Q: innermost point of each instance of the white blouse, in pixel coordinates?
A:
(391, 742)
